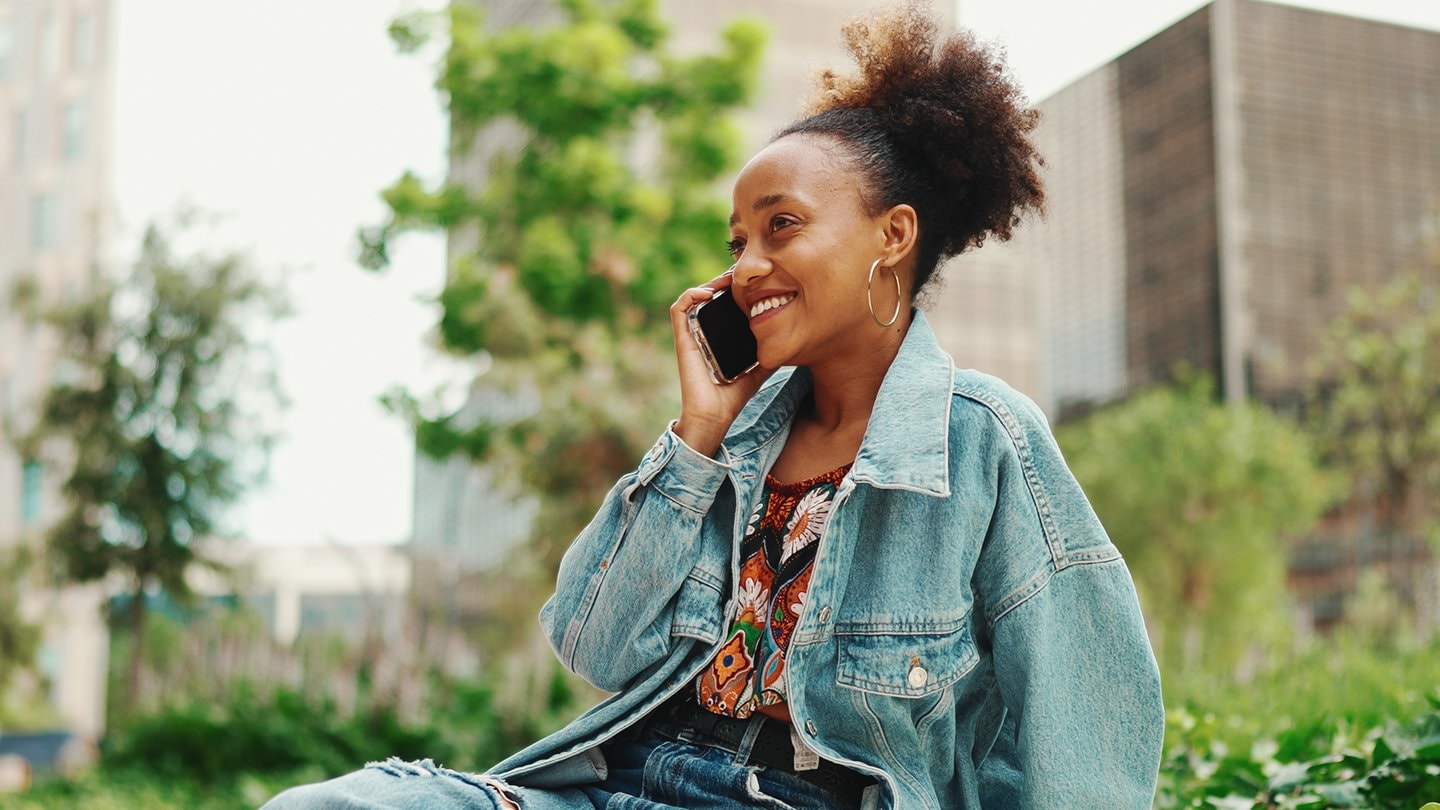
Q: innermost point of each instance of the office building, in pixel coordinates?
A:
(1213, 194)
(56, 217)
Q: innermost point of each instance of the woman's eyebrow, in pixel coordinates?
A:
(760, 204)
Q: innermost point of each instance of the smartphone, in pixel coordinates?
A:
(723, 332)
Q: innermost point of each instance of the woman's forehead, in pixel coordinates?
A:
(796, 166)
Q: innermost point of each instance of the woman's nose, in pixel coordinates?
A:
(749, 268)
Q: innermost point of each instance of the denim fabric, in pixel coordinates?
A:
(395, 785)
(970, 629)
(651, 772)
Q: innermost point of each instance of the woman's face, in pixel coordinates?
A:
(803, 246)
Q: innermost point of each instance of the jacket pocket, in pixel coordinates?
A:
(910, 661)
(698, 608)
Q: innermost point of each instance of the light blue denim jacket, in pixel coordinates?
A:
(970, 635)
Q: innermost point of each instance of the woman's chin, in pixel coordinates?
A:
(771, 359)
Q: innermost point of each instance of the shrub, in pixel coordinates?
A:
(1314, 766)
(209, 743)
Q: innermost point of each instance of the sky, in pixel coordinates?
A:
(286, 118)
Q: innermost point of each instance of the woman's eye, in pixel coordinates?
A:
(735, 247)
(780, 222)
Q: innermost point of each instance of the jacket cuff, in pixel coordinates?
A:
(679, 472)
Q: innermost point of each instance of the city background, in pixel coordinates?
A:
(1222, 178)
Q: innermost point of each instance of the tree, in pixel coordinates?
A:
(597, 208)
(152, 419)
(1200, 496)
(1375, 406)
(19, 637)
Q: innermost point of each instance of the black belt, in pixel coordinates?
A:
(772, 747)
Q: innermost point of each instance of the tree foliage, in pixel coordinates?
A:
(589, 205)
(1324, 764)
(1374, 404)
(151, 414)
(19, 636)
(1376, 399)
(1200, 497)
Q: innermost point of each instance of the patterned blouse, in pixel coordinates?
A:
(777, 555)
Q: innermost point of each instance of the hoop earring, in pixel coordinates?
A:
(870, 299)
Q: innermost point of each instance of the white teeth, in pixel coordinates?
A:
(765, 305)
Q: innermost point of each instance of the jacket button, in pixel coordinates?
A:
(810, 727)
(824, 615)
(918, 676)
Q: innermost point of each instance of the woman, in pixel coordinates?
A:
(868, 580)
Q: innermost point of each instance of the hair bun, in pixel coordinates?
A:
(957, 123)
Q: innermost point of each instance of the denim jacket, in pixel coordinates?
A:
(970, 633)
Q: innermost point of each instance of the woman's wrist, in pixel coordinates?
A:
(702, 436)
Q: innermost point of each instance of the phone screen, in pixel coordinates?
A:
(724, 334)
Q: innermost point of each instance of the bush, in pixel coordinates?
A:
(1343, 681)
(286, 732)
(1316, 766)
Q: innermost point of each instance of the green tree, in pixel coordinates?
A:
(597, 207)
(153, 419)
(19, 637)
(1375, 407)
(1200, 497)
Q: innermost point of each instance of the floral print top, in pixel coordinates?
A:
(776, 558)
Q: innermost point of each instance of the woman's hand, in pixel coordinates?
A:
(706, 409)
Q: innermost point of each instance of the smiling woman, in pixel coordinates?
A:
(855, 576)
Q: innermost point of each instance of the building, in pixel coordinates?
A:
(1213, 193)
(337, 590)
(56, 219)
(465, 523)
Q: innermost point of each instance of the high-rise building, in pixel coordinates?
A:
(56, 214)
(1213, 193)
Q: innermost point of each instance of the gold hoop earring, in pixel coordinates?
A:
(870, 299)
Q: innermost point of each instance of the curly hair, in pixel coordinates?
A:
(934, 122)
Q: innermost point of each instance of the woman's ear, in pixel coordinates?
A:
(902, 230)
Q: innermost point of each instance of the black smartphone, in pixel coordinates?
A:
(723, 332)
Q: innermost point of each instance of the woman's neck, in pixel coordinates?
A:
(843, 391)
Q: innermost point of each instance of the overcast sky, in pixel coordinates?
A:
(287, 118)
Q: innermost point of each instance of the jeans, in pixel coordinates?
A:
(648, 771)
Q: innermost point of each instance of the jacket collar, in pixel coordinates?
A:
(906, 444)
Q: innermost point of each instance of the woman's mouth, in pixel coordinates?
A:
(764, 305)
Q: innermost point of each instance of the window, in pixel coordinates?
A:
(7, 45)
(32, 475)
(44, 232)
(73, 128)
(49, 47)
(22, 138)
(82, 42)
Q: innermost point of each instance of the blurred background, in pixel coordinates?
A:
(325, 326)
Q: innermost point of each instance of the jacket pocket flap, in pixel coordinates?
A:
(698, 609)
(907, 662)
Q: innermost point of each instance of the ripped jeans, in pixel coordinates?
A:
(648, 772)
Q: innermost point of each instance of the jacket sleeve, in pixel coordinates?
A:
(1072, 658)
(610, 617)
